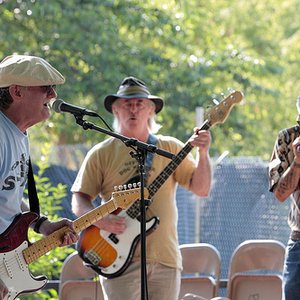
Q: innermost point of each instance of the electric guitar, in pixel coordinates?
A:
(16, 252)
(110, 254)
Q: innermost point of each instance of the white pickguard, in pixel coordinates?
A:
(124, 244)
(14, 272)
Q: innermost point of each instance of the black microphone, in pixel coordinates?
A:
(59, 105)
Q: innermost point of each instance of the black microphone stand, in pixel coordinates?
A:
(140, 156)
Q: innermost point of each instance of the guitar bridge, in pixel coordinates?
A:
(92, 257)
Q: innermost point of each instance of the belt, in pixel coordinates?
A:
(295, 235)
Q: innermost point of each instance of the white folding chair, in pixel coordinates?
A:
(191, 296)
(77, 281)
(201, 270)
(255, 270)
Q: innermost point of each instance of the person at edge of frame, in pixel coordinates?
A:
(27, 84)
(284, 176)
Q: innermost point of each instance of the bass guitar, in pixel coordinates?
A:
(110, 254)
(16, 252)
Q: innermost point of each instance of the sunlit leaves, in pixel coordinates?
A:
(188, 52)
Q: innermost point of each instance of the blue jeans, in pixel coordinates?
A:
(291, 271)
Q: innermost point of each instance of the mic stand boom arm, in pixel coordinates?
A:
(127, 141)
(140, 155)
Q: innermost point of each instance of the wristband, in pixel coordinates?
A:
(38, 224)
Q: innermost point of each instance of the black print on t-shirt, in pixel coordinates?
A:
(19, 169)
(129, 166)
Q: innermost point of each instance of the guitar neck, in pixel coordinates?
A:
(171, 167)
(134, 210)
(44, 245)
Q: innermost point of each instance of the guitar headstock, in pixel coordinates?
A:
(220, 112)
(125, 198)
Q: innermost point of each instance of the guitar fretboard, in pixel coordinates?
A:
(44, 245)
(134, 210)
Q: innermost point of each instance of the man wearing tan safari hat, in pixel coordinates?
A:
(110, 164)
(27, 84)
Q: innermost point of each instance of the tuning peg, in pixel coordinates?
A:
(129, 185)
(115, 188)
(120, 187)
(125, 187)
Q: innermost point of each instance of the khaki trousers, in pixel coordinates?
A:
(163, 283)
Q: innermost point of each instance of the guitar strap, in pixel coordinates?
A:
(32, 193)
(152, 140)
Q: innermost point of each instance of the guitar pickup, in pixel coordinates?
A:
(92, 257)
(113, 238)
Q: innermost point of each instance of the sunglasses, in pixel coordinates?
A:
(48, 88)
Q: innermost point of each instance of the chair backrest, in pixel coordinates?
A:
(77, 281)
(201, 270)
(255, 270)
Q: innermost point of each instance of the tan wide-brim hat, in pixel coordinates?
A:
(130, 88)
(28, 70)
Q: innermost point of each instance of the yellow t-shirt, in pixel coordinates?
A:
(109, 164)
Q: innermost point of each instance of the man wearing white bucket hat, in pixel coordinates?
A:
(109, 164)
(27, 84)
(284, 174)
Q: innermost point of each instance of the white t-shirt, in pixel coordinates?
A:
(14, 157)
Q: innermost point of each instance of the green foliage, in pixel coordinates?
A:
(188, 52)
(49, 197)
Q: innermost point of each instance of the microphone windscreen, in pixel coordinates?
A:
(55, 105)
